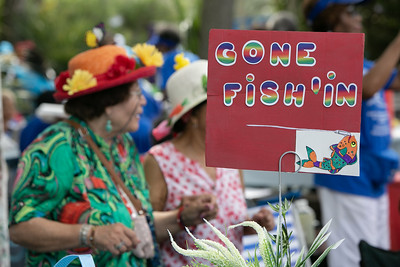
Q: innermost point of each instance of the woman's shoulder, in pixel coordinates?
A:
(57, 132)
(53, 148)
(162, 148)
(58, 129)
(229, 171)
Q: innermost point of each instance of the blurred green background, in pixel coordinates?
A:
(58, 26)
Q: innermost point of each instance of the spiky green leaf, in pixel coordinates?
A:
(325, 253)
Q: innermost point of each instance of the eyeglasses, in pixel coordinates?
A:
(137, 93)
(352, 11)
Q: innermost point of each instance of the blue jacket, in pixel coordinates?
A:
(377, 159)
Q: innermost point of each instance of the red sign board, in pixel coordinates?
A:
(264, 86)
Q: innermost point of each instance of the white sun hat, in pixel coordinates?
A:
(187, 88)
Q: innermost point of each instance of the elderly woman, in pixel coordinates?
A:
(80, 185)
(176, 168)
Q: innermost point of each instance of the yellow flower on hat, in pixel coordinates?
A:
(148, 55)
(91, 39)
(180, 61)
(81, 80)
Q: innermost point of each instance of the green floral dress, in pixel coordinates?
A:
(60, 168)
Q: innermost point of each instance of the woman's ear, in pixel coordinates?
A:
(194, 121)
(108, 111)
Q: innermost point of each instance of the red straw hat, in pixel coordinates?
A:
(101, 68)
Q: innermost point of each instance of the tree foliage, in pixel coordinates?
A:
(381, 23)
(58, 27)
(380, 19)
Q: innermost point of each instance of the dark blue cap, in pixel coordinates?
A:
(322, 4)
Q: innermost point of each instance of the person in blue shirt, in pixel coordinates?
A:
(168, 42)
(35, 125)
(31, 73)
(359, 205)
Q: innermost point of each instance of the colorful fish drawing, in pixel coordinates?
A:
(344, 153)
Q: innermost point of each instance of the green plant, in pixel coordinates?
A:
(230, 256)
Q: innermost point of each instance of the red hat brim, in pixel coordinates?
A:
(142, 72)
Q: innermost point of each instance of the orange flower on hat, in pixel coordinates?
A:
(148, 55)
(81, 80)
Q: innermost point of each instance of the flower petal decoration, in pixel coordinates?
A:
(95, 35)
(121, 66)
(148, 55)
(81, 80)
(180, 61)
(204, 82)
(162, 130)
(61, 80)
(91, 39)
(178, 108)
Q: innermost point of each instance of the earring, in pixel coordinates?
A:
(108, 126)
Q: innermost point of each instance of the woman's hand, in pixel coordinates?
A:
(191, 213)
(265, 218)
(198, 207)
(115, 238)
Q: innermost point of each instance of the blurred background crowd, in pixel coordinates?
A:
(37, 38)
